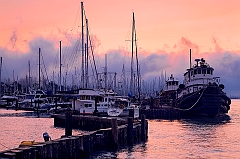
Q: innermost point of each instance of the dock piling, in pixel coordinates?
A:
(130, 131)
(114, 133)
(68, 127)
(143, 127)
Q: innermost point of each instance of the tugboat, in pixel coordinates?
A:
(168, 94)
(201, 93)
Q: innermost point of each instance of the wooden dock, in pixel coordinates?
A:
(103, 134)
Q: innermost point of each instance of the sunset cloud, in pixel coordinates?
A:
(165, 35)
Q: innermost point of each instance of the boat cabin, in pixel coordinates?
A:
(198, 76)
(171, 84)
(199, 73)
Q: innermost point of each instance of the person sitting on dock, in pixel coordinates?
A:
(46, 137)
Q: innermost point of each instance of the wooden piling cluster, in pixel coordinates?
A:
(120, 133)
(165, 113)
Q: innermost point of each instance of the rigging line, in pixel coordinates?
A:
(73, 56)
(95, 67)
(69, 38)
(138, 71)
(44, 68)
(4, 146)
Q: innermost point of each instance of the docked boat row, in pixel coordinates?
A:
(102, 102)
(200, 94)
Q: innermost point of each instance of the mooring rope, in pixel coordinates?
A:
(195, 102)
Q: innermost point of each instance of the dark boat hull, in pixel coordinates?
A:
(210, 101)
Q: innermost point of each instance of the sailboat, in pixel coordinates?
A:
(123, 106)
(5, 100)
(91, 100)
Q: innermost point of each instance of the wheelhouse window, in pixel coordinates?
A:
(195, 72)
(208, 71)
(204, 71)
(199, 71)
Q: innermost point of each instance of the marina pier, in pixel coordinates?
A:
(102, 133)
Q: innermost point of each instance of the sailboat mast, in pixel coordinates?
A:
(29, 76)
(53, 84)
(105, 72)
(138, 70)
(190, 59)
(86, 56)
(82, 9)
(39, 69)
(0, 77)
(133, 26)
(60, 65)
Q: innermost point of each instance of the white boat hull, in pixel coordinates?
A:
(118, 112)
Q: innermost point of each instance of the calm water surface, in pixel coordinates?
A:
(186, 138)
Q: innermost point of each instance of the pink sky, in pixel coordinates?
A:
(159, 23)
(166, 30)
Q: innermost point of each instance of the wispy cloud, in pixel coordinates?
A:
(152, 64)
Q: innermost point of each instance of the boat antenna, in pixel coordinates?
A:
(39, 70)
(190, 59)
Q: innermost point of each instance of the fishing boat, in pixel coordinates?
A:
(201, 93)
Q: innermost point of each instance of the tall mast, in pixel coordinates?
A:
(105, 72)
(0, 77)
(124, 80)
(14, 85)
(138, 70)
(60, 63)
(190, 59)
(82, 44)
(131, 82)
(39, 69)
(29, 75)
(53, 84)
(87, 43)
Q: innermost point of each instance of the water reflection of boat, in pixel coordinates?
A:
(206, 120)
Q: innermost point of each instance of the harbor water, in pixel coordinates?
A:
(185, 138)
